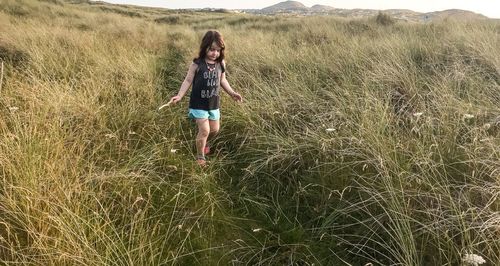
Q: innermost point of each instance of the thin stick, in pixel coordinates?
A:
(165, 105)
(1, 76)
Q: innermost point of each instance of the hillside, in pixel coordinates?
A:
(453, 13)
(321, 8)
(400, 14)
(287, 6)
(359, 141)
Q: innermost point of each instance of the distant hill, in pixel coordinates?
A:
(297, 8)
(321, 8)
(287, 6)
(453, 13)
(401, 14)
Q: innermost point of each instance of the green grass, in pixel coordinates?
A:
(321, 164)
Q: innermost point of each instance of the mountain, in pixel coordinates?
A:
(287, 6)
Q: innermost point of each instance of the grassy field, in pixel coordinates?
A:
(359, 141)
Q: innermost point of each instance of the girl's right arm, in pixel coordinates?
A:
(186, 83)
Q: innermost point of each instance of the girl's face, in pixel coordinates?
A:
(213, 52)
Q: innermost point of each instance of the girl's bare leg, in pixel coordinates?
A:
(201, 139)
(214, 128)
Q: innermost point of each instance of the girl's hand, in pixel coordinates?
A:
(175, 99)
(237, 97)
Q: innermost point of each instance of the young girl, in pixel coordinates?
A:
(207, 74)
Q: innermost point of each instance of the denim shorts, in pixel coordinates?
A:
(204, 114)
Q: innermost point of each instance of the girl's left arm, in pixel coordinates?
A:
(225, 85)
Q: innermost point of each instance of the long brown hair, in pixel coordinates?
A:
(210, 37)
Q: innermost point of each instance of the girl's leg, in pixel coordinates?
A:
(201, 138)
(214, 128)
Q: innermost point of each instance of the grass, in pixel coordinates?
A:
(359, 141)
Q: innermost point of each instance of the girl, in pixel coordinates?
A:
(207, 74)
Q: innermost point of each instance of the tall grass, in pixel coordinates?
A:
(358, 141)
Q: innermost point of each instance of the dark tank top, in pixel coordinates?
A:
(206, 86)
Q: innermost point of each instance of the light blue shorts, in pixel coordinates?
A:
(204, 114)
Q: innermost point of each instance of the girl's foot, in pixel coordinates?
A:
(200, 160)
(206, 150)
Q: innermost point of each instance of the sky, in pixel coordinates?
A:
(489, 8)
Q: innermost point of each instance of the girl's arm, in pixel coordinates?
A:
(225, 85)
(186, 83)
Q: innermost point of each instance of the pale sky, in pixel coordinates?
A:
(489, 8)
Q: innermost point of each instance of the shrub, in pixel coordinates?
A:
(12, 55)
(172, 19)
(384, 19)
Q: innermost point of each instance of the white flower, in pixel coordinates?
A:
(418, 114)
(137, 200)
(110, 136)
(487, 126)
(173, 150)
(468, 116)
(172, 167)
(330, 129)
(473, 259)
